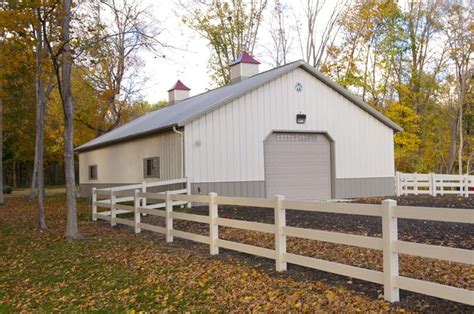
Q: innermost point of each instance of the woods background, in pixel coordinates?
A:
(412, 60)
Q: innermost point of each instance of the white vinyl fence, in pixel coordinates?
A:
(120, 194)
(434, 184)
(389, 243)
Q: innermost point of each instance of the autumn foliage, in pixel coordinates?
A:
(114, 270)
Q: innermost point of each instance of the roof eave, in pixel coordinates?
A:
(291, 66)
(355, 99)
(82, 149)
(324, 79)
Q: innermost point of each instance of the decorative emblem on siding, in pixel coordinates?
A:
(299, 87)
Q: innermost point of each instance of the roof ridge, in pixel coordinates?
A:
(201, 104)
(183, 102)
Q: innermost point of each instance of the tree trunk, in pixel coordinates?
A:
(33, 188)
(38, 86)
(72, 230)
(15, 176)
(461, 138)
(1, 146)
(55, 173)
(38, 169)
(452, 146)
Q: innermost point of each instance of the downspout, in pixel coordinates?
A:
(182, 149)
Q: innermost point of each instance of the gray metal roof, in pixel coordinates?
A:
(194, 107)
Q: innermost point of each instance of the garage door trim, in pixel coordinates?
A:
(332, 155)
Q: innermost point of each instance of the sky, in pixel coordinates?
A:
(188, 62)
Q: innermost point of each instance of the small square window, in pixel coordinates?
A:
(93, 172)
(151, 167)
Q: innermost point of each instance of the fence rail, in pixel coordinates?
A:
(433, 184)
(388, 244)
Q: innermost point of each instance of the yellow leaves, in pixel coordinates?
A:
(330, 296)
(151, 279)
(131, 274)
(124, 291)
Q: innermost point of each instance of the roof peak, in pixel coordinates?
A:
(193, 107)
(179, 86)
(244, 57)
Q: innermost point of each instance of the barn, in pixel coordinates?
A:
(289, 130)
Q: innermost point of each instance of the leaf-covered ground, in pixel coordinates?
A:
(115, 270)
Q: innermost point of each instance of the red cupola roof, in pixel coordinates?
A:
(244, 58)
(179, 86)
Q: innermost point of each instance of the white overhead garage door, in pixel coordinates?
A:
(298, 165)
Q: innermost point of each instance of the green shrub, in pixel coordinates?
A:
(7, 189)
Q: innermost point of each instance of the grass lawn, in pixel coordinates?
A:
(114, 270)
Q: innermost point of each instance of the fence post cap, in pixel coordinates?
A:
(389, 202)
(279, 197)
(213, 194)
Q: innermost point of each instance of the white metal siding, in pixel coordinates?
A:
(227, 144)
(298, 165)
(123, 162)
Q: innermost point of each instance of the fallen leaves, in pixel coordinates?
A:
(119, 271)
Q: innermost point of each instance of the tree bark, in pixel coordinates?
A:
(453, 144)
(461, 138)
(33, 190)
(38, 169)
(1, 146)
(72, 230)
(15, 170)
(38, 84)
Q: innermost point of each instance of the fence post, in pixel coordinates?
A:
(405, 185)
(94, 205)
(169, 219)
(398, 188)
(465, 190)
(188, 189)
(144, 191)
(113, 213)
(213, 226)
(136, 204)
(390, 258)
(280, 238)
(415, 184)
(432, 184)
(441, 185)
